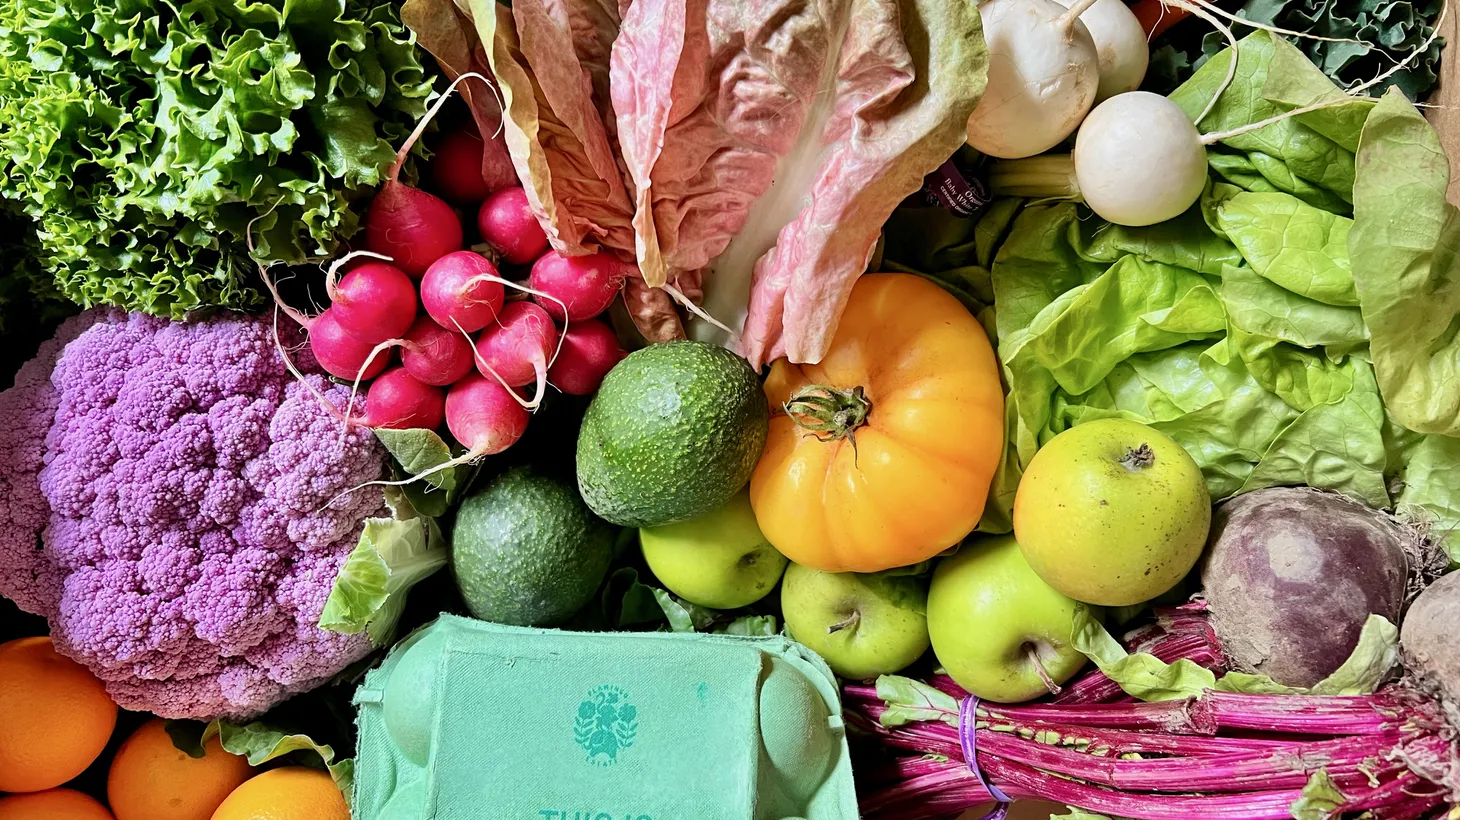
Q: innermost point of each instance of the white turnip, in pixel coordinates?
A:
(1139, 159)
(1120, 43)
(1042, 80)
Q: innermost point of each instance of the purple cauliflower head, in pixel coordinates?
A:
(200, 507)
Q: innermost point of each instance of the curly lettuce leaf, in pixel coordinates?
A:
(143, 146)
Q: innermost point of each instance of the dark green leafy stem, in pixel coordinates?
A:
(1394, 29)
(143, 137)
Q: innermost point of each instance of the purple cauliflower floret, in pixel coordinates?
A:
(200, 507)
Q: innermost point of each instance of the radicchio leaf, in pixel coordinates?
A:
(770, 142)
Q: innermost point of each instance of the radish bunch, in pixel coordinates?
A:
(428, 327)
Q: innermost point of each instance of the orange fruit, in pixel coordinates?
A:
(56, 804)
(290, 793)
(55, 716)
(151, 779)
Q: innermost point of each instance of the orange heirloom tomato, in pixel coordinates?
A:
(881, 455)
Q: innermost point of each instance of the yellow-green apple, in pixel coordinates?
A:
(862, 625)
(1112, 512)
(719, 560)
(997, 628)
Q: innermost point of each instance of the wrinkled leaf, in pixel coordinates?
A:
(757, 625)
(684, 616)
(835, 116)
(1320, 798)
(1146, 677)
(144, 144)
(393, 555)
(259, 743)
(910, 701)
(1404, 245)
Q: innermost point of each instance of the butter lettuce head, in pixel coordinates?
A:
(1293, 328)
(142, 138)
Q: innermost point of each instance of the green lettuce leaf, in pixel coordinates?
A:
(1146, 677)
(415, 451)
(1404, 246)
(911, 701)
(1319, 799)
(144, 144)
(393, 555)
(259, 742)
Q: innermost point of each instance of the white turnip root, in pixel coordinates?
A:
(462, 290)
(1120, 43)
(1042, 80)
(1291, 574)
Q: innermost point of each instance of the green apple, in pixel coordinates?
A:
(861, 625)
(997, 628)
(719, 560)
(1112, 512)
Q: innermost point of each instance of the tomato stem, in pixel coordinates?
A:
(829, 413)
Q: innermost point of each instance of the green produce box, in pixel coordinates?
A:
(468, 720)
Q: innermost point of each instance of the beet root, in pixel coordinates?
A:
(1427, 640)
(1292, 573)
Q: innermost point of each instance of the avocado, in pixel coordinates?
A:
(674, 432)
(526, 551)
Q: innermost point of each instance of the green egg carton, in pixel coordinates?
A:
(467, 720)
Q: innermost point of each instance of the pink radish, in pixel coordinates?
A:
(397, 401)
(434, 355)
(518, 348)
(586, 285)
(339, 353)
(462, 290)
(374, 302)
(507, 224)
(590, 349)
(408, 225)
(457, 167)
(484, 416)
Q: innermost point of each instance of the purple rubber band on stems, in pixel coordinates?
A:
(967, 723)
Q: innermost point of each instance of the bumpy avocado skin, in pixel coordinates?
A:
(526, 550)
(674, 431)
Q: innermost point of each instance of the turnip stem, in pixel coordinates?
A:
(1048, 176)
(1231, 75)
(1068, 19)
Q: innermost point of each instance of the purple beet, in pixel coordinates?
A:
(1292, 573)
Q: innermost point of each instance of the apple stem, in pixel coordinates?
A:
(848, 622)
(1033, 655)
(1138, 458)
